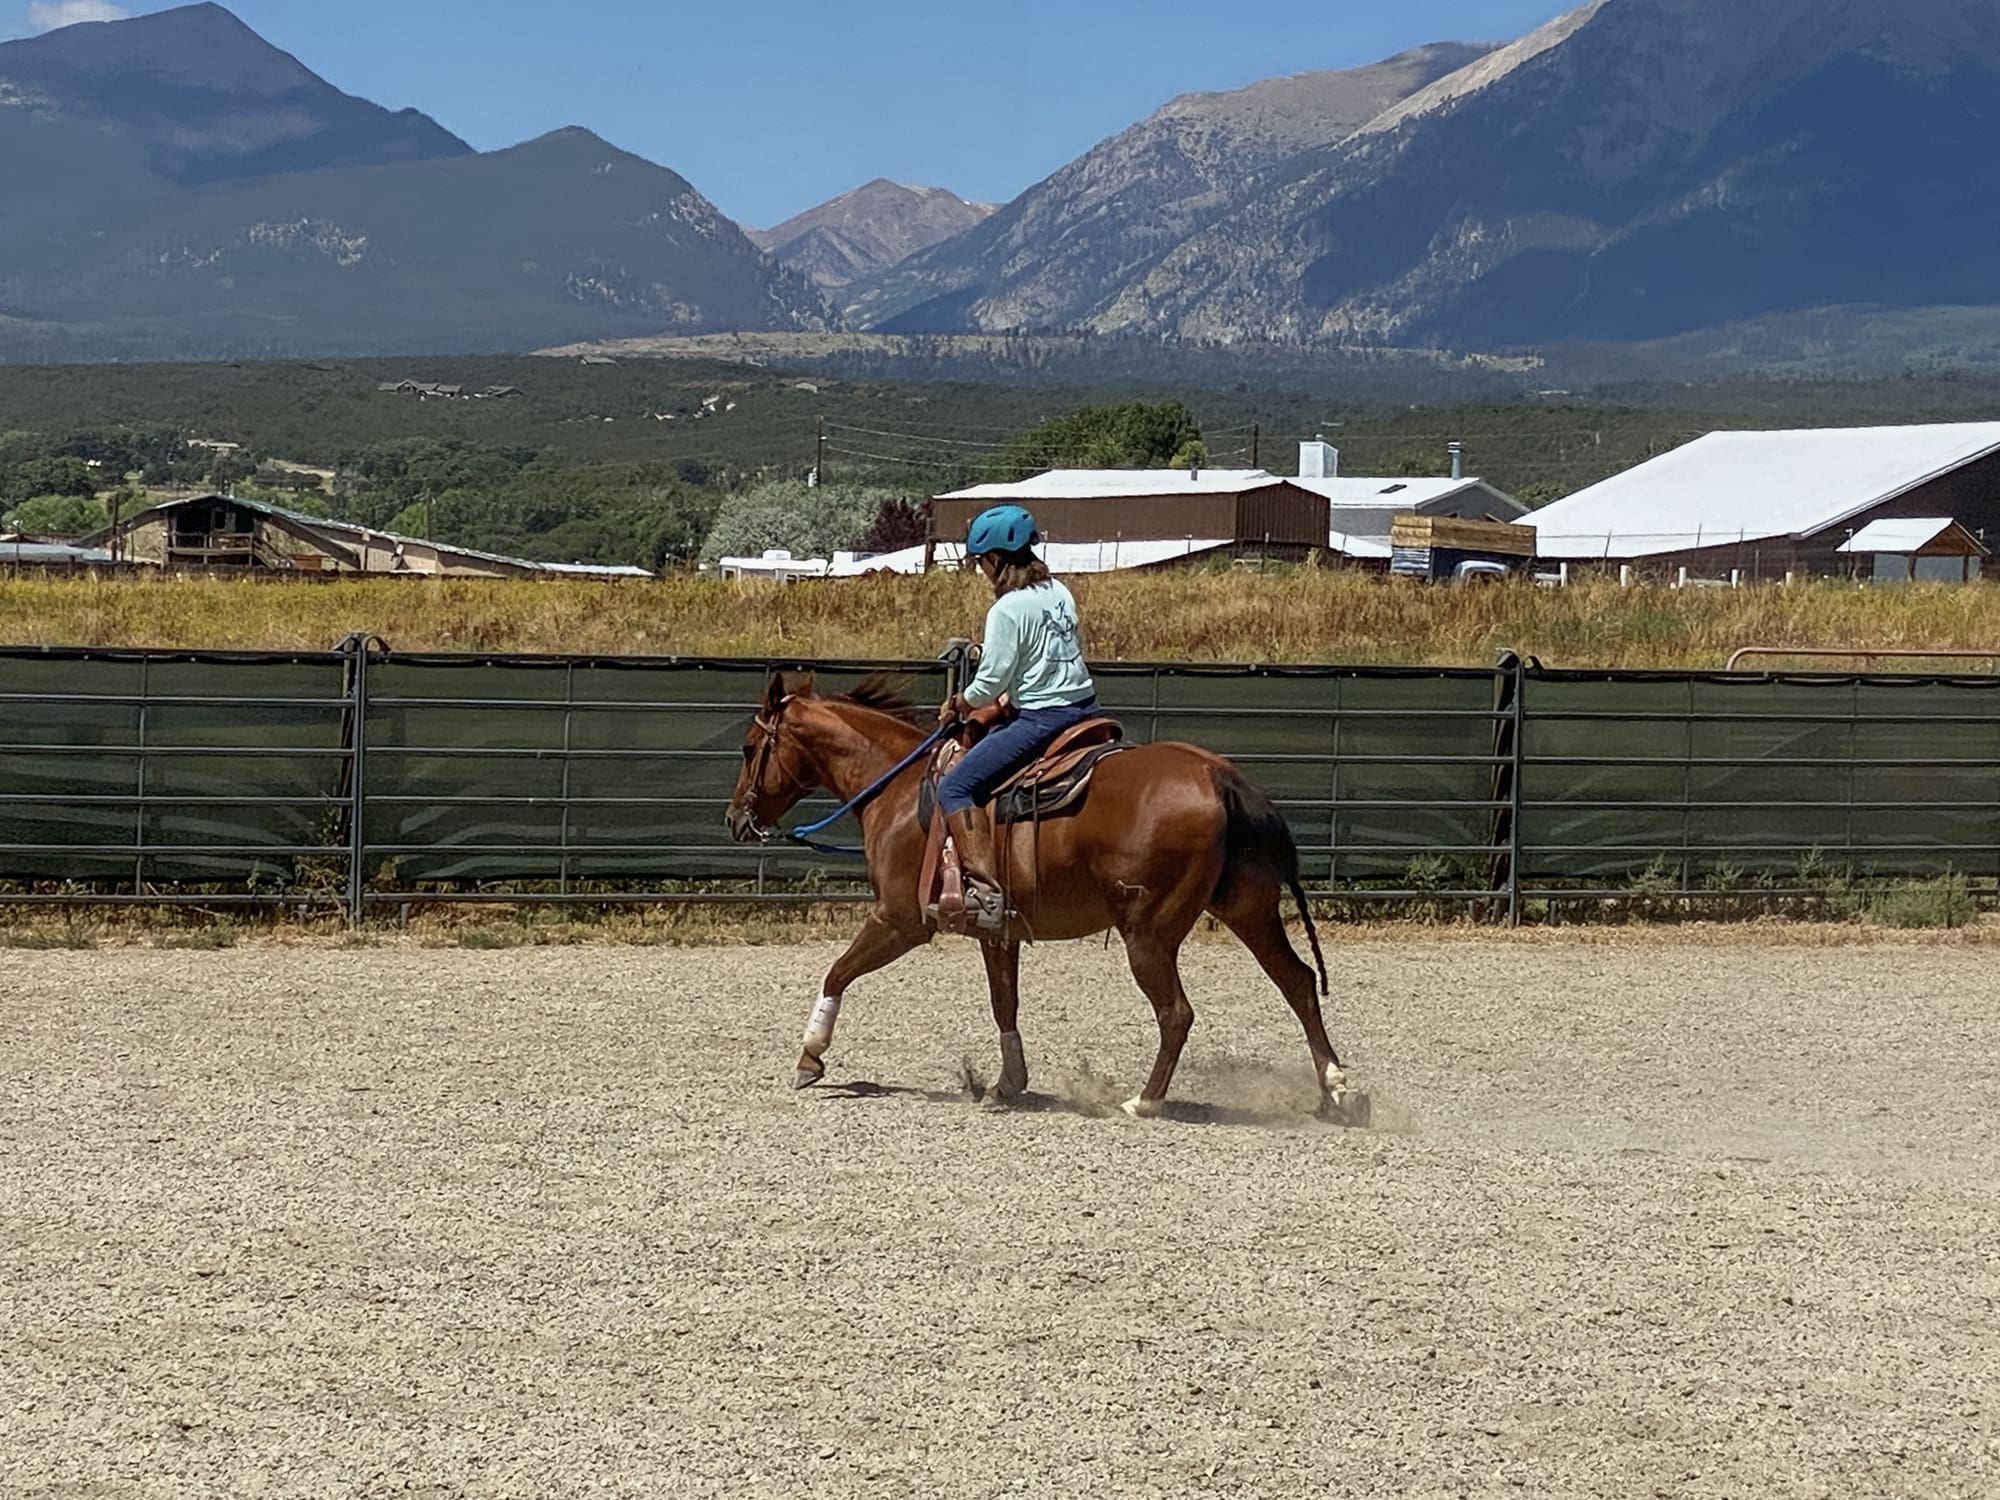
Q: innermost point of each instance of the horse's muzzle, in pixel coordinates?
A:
(743, 827)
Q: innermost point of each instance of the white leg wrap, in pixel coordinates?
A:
(819, 1028)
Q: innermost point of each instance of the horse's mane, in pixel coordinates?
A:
(885, 693)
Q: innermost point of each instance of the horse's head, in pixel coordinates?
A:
(777, 774)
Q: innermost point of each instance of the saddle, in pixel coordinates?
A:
(1053, 784)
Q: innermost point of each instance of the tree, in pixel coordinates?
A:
(58, 515)
(804, 520)
(1135, 435)
(898, 524)
(62, 475)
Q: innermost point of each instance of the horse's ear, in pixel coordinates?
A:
(808, 688)
(774, 693)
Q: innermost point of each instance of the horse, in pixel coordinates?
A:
(1167, 832)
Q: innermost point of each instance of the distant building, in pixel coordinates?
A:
(1197, 511)
(224, 533)
(1362, 510)
(18, 551)
(1921, 549)
(1765, 504)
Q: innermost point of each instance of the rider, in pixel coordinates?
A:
(1033, 654)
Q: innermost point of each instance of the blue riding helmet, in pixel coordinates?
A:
(1005, 528)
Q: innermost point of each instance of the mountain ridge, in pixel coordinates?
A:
(173, 186)
(875, 226)
(1047, 259)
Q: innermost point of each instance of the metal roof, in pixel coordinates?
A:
(1116, 484)
(1909, 534)
(14, 551)
(1062, 557)
(1360, 546)
(1752, 486)
(1360, 492)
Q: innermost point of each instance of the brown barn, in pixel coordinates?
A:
(1242, 511)
(1768, 504)
(225, 533)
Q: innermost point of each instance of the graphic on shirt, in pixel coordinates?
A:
(1061, 625)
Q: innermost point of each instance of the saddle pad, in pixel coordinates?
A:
(1031, 803)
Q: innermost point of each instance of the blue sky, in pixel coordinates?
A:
(770, 106)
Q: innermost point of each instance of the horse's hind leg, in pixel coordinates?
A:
(1003, 987)
(879, 943)
(1156, 965)
(1251, 911)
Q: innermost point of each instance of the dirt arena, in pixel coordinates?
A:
(1640, 1217)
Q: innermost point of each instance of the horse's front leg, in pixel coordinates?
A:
(879, 943)
(1003, 987)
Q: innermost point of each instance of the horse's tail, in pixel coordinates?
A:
(1257, 838)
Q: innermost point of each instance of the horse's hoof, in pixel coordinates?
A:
(1351, 1109)
(1143, 1109)
(805, 1078)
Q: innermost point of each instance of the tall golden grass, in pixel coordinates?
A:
(1297, 615)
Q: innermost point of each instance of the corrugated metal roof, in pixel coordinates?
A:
(1752, 486)
(1908, 534)
(1390, 494)
(1360, 546)
(1062, 557)
(1114, 484)
(52, 552)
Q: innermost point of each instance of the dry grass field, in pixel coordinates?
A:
(1646, 1215)
(1297, 615)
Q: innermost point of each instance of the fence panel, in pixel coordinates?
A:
(140, 773)
(157, 769)
(1711, 780)
(582, 772)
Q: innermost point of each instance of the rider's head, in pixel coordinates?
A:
(1001, 542)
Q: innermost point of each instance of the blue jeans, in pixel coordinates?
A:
(1006, 750)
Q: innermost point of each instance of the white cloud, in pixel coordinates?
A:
(47, 15)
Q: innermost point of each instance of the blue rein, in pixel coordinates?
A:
(804, 835)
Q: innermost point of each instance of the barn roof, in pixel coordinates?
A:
(1117, 484)
(1360, 492)
(1753, 486)
(1911, 534)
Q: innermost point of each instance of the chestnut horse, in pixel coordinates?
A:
(1166, 833)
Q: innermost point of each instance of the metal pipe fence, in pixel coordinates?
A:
(359, 778)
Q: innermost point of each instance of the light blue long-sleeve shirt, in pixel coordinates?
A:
(1033, 651)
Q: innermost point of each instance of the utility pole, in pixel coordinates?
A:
(819, 455)
(1256, 437)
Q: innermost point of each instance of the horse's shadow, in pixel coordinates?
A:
(1036, 1102)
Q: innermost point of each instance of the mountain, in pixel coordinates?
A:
(173, 186)
(1054, 255)
(870, 229)
(183, 96)
(1636, 169)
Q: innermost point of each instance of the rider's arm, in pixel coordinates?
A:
(998, 658)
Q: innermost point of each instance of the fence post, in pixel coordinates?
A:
(1505, 875)
(1514, 811)
(355, 648)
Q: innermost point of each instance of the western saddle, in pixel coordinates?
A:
(1051, 785)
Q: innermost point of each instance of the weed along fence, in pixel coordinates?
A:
(361, 779)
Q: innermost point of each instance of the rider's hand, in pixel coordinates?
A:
(952, 711)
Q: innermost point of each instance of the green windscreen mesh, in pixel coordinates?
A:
(1759, 777)
(151, 769)
(168, 768)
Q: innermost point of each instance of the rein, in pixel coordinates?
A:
(804, 836)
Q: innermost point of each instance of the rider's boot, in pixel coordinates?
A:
(985, 902)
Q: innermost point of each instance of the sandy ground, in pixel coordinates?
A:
(1657, 1219)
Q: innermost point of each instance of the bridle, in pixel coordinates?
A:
(760, 759)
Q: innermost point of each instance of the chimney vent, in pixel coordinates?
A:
(1457, 451)
(1319, 459)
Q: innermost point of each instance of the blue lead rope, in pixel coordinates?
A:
(805, 835)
